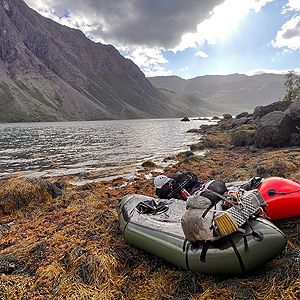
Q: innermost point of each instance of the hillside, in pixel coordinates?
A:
(230, 93)
(49, 72)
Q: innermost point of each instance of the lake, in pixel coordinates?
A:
(106, 149)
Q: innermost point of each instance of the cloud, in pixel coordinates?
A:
(139, 23)
(150, 59)
(184, 69)
(202, 54)
(143, 29)
(289, 35)
(269, 71)
(291, 5)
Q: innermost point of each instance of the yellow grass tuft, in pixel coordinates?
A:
(17, 193)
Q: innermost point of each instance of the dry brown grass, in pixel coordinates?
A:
(71, 247)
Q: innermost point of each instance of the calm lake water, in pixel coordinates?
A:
(103, 148)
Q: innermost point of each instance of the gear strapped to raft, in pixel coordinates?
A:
(152, 207)
(206, 220)
(229, 221)
(180, 187)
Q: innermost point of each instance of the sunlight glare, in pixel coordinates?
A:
(224, 19)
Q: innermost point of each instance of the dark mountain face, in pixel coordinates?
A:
(52, 72)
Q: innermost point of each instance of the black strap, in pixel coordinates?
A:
(246, 243)
(204, 250)
(208, 209)
(238, 255)
(184, 244)
(187, 257)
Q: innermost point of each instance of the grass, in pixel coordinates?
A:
(71, 247)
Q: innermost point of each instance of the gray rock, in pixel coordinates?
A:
(227, 116)
(261, 111)
(241, 121)
(242, 115)
(294, 111)
(274, 130)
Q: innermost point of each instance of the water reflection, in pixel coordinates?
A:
(107, 147)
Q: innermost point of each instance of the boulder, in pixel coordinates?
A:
(194, 130)
(274, 168)
(242, 115)
(274, 130)
(261, 111)
(241, 121)
(184, 155)
(23, 193)
(243, 137)
(185, 119)
(149, 164)
(227, 116)
(197, 147)
(204, 128)
(294, 111)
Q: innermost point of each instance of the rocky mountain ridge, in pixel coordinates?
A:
(49, 72)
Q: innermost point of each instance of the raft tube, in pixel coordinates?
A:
(162, 236)
(282, 196)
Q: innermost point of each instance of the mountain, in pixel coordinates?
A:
(228, 93)
(49, 72)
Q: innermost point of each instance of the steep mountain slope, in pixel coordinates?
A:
(232, 92)
(52, 72)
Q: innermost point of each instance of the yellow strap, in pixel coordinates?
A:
(225, 224)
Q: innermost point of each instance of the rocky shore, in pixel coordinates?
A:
(69, 245)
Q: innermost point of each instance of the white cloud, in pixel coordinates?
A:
(270, 71)
(291, 5)
(201, 54)
(184, 69)
(289, 35)
(149, 60)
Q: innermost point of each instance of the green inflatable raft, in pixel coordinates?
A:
(160, 233)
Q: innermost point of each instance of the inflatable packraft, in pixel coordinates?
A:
(282, 197)
(155, 225)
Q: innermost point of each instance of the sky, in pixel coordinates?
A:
(189, 38)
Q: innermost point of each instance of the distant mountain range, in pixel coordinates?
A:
(49, 72)
(231, 93)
